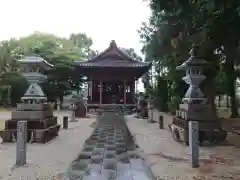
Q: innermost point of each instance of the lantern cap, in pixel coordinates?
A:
(193, 61)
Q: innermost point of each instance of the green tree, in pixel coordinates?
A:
(58, 51)
(131, 52)
(82, 41)
(213, 25)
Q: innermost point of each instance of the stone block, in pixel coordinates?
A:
(97, 152)
(34, 107)
(71, 174)
(100, 145)
(94, 169)
(97, 159)
(45, 135)
(137, 164)
(91, 142)
(110, 164)
(32, 115)
(123, 171)
(79, 165)
(85, 155)
(33, 124)
(88, 149)
(109, 173)
(197, 112)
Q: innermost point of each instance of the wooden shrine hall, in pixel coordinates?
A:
(111, 77)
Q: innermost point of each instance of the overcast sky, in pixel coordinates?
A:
(102, 20)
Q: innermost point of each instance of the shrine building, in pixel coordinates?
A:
(111, 77)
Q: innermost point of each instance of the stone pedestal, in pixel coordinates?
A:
(41, 124)
(210, 128)
(80, 110)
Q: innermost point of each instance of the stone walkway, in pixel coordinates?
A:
(109, 153)
(45, 161)
(169, 159)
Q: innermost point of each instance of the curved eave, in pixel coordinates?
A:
(36, 61)
(114, 65)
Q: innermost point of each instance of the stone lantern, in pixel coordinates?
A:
(41, 124)
(193, 77)
(195, 106)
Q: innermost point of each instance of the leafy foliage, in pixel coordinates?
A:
(213, 25)
(58, 51)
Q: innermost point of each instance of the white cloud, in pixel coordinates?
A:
(103, 20)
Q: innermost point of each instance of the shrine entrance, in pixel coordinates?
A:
(113, 92)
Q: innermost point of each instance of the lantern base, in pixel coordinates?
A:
(210, 128)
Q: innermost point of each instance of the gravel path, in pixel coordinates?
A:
(169, 159)
(45, 161)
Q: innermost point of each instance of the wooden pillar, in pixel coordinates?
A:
(133, 91)
(100, 92)
(136, 85)
(91, 88)
(124, 90)
(88, 89)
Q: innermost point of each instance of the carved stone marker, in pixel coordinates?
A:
(72, 116)
(194, 143)
(21, 147)
(65, 122)
(150, 112)
(160, 122)
(72, 113)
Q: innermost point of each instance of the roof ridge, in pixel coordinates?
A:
(112, 46)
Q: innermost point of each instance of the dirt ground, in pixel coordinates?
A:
(46, 161)
(170, 160)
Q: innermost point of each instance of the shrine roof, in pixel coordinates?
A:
(112, 57)
(34, 59)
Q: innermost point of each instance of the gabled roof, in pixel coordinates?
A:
(112, 57)
(112, 50)
(36, 60)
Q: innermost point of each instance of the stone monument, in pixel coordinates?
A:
(195, 106)
(41, 124)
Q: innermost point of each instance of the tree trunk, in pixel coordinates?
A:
(227, 101)
(219, 101)
(210, 92)
(231, 80)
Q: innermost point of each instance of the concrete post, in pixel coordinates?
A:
(160, 122)
(72, 115)
(21, 147)
(65, 122)
(150, 113)
(194, 143)
(58, 105)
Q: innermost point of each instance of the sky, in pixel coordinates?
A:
(102, 20)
